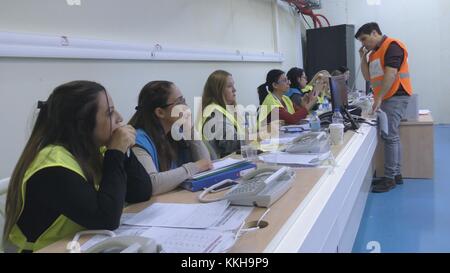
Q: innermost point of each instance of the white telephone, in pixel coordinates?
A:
(115, 244)
(309, 143)
(260, 188)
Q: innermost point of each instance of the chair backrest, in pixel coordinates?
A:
(3, 190)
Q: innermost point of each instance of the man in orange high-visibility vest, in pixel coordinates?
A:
(385, 65)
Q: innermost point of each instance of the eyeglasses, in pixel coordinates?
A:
(178, 101)
(283, 81)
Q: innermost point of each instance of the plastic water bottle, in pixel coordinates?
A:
(315, 123)
(337, 128)
(337, 117)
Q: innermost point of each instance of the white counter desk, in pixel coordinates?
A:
(320, 213)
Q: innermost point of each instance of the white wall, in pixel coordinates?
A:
(224, 24)
(425, 28)
(444, 22)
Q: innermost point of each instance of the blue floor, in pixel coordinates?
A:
(414, 217)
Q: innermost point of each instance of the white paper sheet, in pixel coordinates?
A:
(383, 122)
(126, 216)
(179, 215)
(232, 218)
(174, 240)
(294, 159)
(218, 238)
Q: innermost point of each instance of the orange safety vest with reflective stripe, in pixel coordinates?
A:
(377, 67)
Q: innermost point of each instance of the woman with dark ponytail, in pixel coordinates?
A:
(167, 161)
(73, 173)
(272, 96)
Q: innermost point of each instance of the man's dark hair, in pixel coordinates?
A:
(367, 29)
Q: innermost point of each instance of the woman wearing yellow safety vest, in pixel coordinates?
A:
(219, 91)
(272, 96)
(73, 173)
(299, 85)
(168, 157)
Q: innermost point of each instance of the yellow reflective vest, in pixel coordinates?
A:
(62, 227)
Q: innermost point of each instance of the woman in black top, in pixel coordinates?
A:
(73, 186)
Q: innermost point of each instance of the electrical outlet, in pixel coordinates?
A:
(314, 4)
(73, 2)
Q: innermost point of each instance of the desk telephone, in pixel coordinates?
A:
(349, 121)
(309, 143)
(260, 188)
(116, 244)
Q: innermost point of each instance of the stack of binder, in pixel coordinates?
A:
(229, 169)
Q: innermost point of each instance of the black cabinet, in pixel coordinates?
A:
(329, 48)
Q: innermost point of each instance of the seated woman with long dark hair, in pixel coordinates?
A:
(73, 173)
(169, 162)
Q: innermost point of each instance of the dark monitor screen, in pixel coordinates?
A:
(339, 94)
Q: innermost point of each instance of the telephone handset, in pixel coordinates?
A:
(125, 244)
(260, 188)
(117, 244)
(309, 143)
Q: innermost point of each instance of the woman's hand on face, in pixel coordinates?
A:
(203, 165)
(123, 138)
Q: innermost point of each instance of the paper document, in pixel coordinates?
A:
(383, 123)
(126, 216)
(232, 218)
(174, 240)
(218, 238)
(179, 215)
(283, 158)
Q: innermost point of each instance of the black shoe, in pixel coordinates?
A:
(384, 185)
(399, 179)
(377, 180)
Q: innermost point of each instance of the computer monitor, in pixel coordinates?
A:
(339, 99)
(339, 92)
